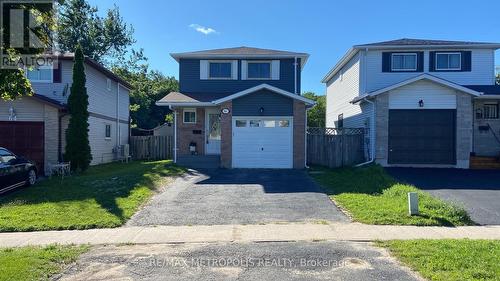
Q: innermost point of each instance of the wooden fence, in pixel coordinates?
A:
(335, 149)
(151, 147)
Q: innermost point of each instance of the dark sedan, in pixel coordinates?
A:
(15, 171)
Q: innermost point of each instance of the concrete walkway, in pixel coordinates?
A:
(245, 233)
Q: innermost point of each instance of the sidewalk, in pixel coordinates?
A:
(245, 233)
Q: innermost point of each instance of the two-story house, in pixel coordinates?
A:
(35, 126)
(424, 102)
(240, 106)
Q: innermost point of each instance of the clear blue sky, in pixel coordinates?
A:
(324, 29)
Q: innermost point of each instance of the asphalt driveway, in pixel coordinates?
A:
(476, 190)
(240, 196)
(239, 261)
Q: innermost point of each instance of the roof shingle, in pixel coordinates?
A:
(422, 42)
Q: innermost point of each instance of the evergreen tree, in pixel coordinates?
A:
(77, 135)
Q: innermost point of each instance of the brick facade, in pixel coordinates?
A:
(226, 154)
(185, 134)
(299, 130)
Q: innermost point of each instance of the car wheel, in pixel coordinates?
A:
(31, 178)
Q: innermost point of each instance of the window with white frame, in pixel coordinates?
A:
(488, 111)
(220, 70)
(404, 62)
(189, 115)
(259, 70)
(108, 84)
(40, 74)
(448, 61)
(107, 131)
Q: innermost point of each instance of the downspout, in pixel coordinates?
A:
(372, 133)
(295, 75)
(305, 143)
(175, 133)
(117, 114)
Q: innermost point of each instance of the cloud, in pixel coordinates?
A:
(203, 29)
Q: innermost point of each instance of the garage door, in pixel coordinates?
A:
(422, 136)
(25, 139)
(262, 142)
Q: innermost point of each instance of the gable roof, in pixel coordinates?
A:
(429, 77)
(407, 43)
(213, 99)
(241, 52)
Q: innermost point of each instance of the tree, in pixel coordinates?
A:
(498, 79)
(148, 87)
(316, 116)
(77, 135)
(99, 37)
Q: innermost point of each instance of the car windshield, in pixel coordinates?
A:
(6, 156)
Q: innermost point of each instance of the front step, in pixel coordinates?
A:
(199, 161)
(479, 162)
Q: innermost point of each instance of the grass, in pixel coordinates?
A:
(104, 196)
(440, 260)
(371, 196)
(36, 263)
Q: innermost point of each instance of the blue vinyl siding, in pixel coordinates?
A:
(272, 103)
(190, 82)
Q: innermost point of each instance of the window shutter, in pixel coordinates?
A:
(466, 61)
(432, 61)
(244, 69)
(386, 61)
(234, 70)
(420, 61)
(275, 70)
(56, 73)
(203, 69)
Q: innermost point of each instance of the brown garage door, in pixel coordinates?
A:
(25, 139)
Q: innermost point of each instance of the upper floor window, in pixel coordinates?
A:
(40, 74)
(107, 131)
(220, 70)
(404, 62)
(448, 61)
(259, 70)
(108, 84)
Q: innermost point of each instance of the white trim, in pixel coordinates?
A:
(189, 110)
(244, 70)
(404, 69)
(191, 104)
(447, 53)
(270, 62)
(203, 69)
(428, 77)
(275, 69)
(260, 87)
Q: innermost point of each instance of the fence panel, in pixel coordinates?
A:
(151, 147)
(335, 148)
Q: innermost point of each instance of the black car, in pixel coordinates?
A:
(15, 171)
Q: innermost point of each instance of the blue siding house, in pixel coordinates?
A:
(239, 108)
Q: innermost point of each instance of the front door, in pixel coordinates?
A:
(213, 131)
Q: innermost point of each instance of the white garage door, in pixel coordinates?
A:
(262, 142)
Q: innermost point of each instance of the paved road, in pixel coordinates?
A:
(476, 190)
(240, 196)
(239, 261)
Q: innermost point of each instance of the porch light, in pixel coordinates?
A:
(479, 113)
(421, 103)
(12, 114)
(261, 110)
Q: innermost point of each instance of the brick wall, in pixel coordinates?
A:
(226, 136)
(299, 127)
(185, 132)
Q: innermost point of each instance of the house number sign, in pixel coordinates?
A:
(225, 110)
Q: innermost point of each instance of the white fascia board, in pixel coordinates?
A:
(347, 57)
(192, 104)
(264, 86)
(428, 77)
(403, 47)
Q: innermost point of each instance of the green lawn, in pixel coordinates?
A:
(371, 196)
(449, 260)
(36, 263)
(104, 196)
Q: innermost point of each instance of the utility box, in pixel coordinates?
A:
(413, 203)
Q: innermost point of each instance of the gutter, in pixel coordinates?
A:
(295, 74)
(175, 132)
(372, 133)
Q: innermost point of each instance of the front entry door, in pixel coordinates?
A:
(213, 131)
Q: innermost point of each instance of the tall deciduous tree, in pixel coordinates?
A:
(498, 79)
(77, 135)
(316, 116)
(101, 38)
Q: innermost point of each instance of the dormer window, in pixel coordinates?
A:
(448, 61)
(220, 70)
(259, 70)
(404, 62)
